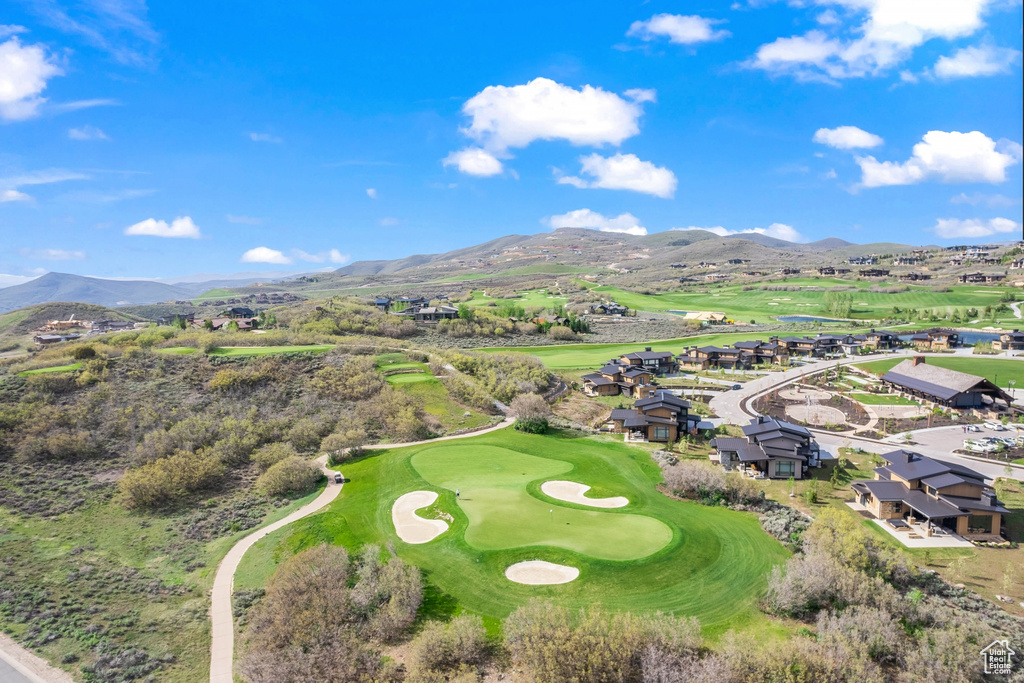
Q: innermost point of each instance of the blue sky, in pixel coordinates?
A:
(158, 141)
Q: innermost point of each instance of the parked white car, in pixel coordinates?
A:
(978, 446)
(973, 428)
(995, 426)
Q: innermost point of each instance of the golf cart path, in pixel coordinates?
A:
(222, 641)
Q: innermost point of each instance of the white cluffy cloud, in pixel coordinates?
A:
(13, 196)
(179, 227)
(984, 60)
(53, 254)
(624, 172)
(888, 32)
(585, 218)
(779, 231)
(371, 192)
(474, 161)
(264, 255)
(952, 228)
(264, 137)
(681, 29)
(506, 117)
(268, 255)
(87, 133)
(8, 280)
(847, 137)
(24, 70)
(948, 157)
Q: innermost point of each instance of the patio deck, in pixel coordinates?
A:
(947, 539)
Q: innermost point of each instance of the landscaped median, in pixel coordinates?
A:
(653, 554)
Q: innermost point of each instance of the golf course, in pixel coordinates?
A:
(654, 553)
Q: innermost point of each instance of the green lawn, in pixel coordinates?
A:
(177, 350)
(219, 293)
(53, 368)
(708, 562)
(269, 350)
(992, 369)
(571, 356)
(760, 305)
(881, 399)
(536, 298)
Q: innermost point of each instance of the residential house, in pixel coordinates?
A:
(882, 339)
(827, 270)
(169, 319)
(770, 352)
(707, 264)
(769, 448)
(610, 308)
(104, 326)
(949, 388)
(383, 304)
(862, 260)
(47, 339)
(1009, 341)
(707, 317)
(873, 272)
(917, 488)
(658, 362)
(616, 378)
(977, 278)
(717, 277)
(738, 261)
(935, 340)
(720, 356)
(431, 314)
(914, 277)
(661, 417)
(906, 261)
(676, 265)
(754, 273)
(788, 271)
(1017, 264)
(822, 346)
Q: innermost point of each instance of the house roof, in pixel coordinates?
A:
(662, 397)
(882, 490)
(909, 465)
(770, 424)
(610, 370)
(622, 413)
(648, 355)
(598, 379)
(984, 504)
(933, 374)
(634, 372)
(947, 479)
(930, 507)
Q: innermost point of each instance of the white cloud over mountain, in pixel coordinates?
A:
(777, 230)
(585, 218)
(264, 255)
(182, 227)
(623, 172)
(953, 228)
(947, 157)
(680, 29)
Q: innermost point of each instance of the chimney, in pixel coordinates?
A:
(919, 360)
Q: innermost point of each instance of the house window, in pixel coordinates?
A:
(897, 508)
(661, 433)
(785, 468)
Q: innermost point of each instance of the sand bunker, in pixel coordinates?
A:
(540, 573)
(412, 528)
(571, 492)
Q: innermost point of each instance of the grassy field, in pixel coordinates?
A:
(269, 350)
(218, 293)
(53, 368)
(416, 380)
(996, 370)
(536, 298)
(713, 564)
(573, 356)
(881, 399)
(177, 350)
(759, 305)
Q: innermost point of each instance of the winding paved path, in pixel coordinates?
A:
(222, 643)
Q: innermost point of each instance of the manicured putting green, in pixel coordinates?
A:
(503, 515)
(410, 378)
(52, 369)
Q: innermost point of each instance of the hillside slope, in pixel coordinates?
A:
(66, 287)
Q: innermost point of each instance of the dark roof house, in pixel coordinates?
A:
(769, 448)
(942, 386)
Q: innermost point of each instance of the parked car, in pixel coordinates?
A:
(973, 428)
(978, 446)
(995, 426)
(737, 386)
(338, 479)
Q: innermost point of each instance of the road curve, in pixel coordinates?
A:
(222, 641)
(730, 406)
